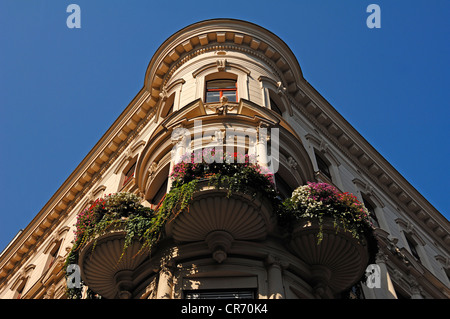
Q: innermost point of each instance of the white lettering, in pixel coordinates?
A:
(374, 20)
(74, 20)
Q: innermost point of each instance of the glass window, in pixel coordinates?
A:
(53, 256)
(323, 166)
(371, 210)
(160, 193)
(275, 107)
(283, 187)
(216, 89)
(129, 174)
(413, 248)
(20, 289)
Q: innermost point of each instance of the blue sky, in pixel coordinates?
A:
(61, 88)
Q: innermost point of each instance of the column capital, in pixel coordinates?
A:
(272, 260)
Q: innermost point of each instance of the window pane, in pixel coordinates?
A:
(231, 95)
(213, 96)
(323, 166)
(275, 107)
(160, 193)
(221, 84)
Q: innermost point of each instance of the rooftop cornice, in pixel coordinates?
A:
(114, 141)
(368, 160)
(222, 34)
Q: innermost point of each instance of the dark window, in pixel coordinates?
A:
(275, 107)
(160, 193)
(282, 186)
(447, 272)
(219, 294)
(168, 106)
(371, 210)
(216, 89)
(129, 174)
(400, 293)
(53, 255)
(413, 248)
(19, 291)
(323, 166)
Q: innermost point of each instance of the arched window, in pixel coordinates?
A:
(160, 193)
(21, 283)
(414, 244)
(159, 186)
(216, 89)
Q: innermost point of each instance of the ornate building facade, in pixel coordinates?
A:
(234, 77)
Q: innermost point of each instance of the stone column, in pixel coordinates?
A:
(180, 140)
(165, 282)
(261, 145)
(386, 288)
(415, 289)
(275, 277)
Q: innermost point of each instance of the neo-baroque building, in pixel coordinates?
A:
(232, 76)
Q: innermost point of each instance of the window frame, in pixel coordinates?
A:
(371, 208)
(412, 244)
(323, 166)
(207, 90)
(275, 107)
(127, 177)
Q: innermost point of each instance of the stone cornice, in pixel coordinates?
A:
(218, 35)
(83, 178)
(405, 270)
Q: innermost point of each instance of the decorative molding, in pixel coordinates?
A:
(221, 65)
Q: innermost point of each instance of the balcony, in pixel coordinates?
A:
(107, 268)
(330, 231)
(219, 217)
(217, 204)
(220, 204)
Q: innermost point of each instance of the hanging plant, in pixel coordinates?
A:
(120, 211)
(124, 211)
(319, 201)
(237, 172)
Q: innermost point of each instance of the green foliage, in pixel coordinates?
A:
(124, 211)
(318, 201)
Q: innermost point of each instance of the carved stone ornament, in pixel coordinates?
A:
(163, 94)
(281, 90)
(223, 107)
(152, 169)
(178, 135)
(292, 163)
(221, 64)
(219, 136)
